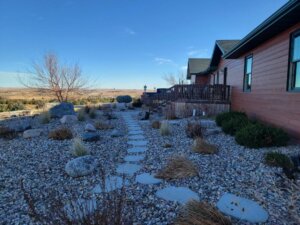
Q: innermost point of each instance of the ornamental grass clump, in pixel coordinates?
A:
(279, 160)
(178, 167)
(45, 117)
(201, 146)
(155, 124)
(81, 115)
(62, 133)
(78, 148)
(193, 130)
(7, 133)
(101, 125)
(201, 213)
(165, 129)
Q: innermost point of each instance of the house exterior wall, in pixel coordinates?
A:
(269, 100)
(202, 80)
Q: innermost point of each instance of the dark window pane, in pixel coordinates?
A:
(297, 75)
(296, 49)
(249, 65)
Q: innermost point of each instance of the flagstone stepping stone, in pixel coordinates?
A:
(137, 150)
(128, 168)
(138, 143)
(111, 183)
(177, 194)
(147, 178)
(136, 137)
(134, 132)
(242, 208)
(134, 158)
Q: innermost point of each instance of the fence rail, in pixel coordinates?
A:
(189, 93)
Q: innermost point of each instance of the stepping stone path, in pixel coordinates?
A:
(135, 154)
(177, 194)
(242, 208)
(111, 183)
(147, 178)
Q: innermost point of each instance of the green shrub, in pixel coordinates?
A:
(15, 106)
(234, 124)
(278, 159)
(124, 99)
(3, 108)
(220, 118)
(258, 135)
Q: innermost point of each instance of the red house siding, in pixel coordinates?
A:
(202, 80)
(268, 100)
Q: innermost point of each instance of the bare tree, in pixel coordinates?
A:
(56, 78)
(173, 79)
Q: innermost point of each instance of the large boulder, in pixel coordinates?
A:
(90, 136)
(32, 133)
(20, 124)
(62, 109)
(90, 128)
(68, 119)
(81, 166)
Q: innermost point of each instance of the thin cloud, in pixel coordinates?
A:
(129, 31)
(162, 61)
(197, 52)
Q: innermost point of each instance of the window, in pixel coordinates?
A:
(294, 65)
(218, 77)
(225, 76)
(248, 73)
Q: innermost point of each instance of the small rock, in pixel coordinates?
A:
(32, 133)
(81, 166)
(117, 133)
(90, 127)
(91, 136)
(68, 119)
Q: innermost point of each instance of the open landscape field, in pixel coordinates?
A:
(25, 93)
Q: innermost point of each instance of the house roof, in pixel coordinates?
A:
(196, 66)
(221, 48)
(282, 19)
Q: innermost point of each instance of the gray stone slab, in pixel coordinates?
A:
(111, 183)
(137, 150)
(177, 194)
(137, 137)
(128, 168)
(147, 178)
(138, 143)
(242, 208)
(134, 132)
(134, 158)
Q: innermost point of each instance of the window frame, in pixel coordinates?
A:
(292, 65)
(225, 76)
(246, 75)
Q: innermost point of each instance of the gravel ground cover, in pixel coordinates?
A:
(40, 162)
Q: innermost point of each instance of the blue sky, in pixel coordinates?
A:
(121, 43)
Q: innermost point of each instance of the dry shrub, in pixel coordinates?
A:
(45, 117)
(155, 124)
(201, 146)
(78, 148)
(7, 133)
(178, 167)
(193, 130)
(201, 213)
(112, 208)
(61, 133)
(165, 129)
(167, 145)
(169, 113)
(81, 115)
(101, 125)
(93, 113)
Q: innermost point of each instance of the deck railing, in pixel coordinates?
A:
(189, 93)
